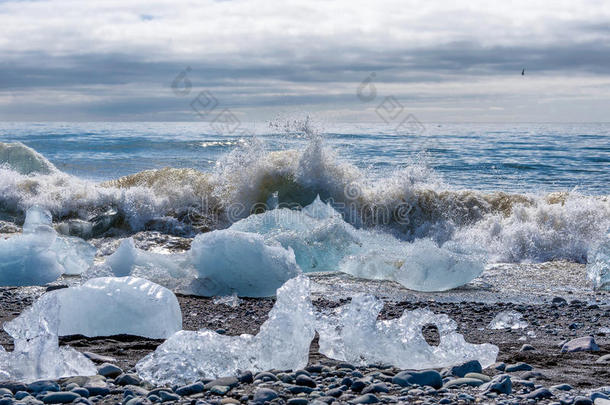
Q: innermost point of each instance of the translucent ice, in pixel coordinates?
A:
(24, 160)
(353, 334)
(508, 320)
(598, 264)
(39, 255)
(282, 343)
(107, 306)
(37, 354)
(230, 262)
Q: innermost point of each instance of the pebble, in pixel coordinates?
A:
(376, 388)
(540, 393)
(99, 358)
(562, 387)
(500, 384)
(603, 359)
(220, 389)
(305, 380)
(430, 378)
(518, 367)
(265, 376)
(109, 370)
(582, 401)
(471, 382)
(128, 379)
(581, 344)
(224, 381)
(13, 386)
(366, 399)
(246, 377)
(60, 397)
(472, 366)
(482, 377)
(297, 401)
(168, 396)
(263, 395)
(527, 348)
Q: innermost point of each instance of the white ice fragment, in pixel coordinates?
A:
(230, 262)
(36, 353)
(353, 334)
(598, 264)
(230, 300)
(282, 343)
(104, 307)
(39, 255)
(420, 265)
(508, 320)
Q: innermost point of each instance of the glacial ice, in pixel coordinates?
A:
(352, 333)
(508, 320)
(282, 343)
(36, 354)
(230, 262)
(598, 264)
(39, 255)
(23, 159)
(106, 306)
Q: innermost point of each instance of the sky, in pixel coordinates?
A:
(344, 61)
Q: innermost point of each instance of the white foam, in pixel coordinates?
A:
(598, 265)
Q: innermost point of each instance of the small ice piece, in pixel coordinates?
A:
(508, 320)
(420, 265)
(230, 262)
(317, 234)
(39, 255)
(169, 270)
(107, 306)
(229, 300)
(36, 354)
(598, 265)
(282, 344)
(353, 334)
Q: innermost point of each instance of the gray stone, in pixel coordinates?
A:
(472, 366)
(500, 384)
(5, 391)
(581, 344)
(540, 393)
(603, 359)
(500, 366)
(297, 401)
(98, 358)
(128, 379)
(13, 386)
(220, 389)
(430, 378)
(482, 377)
(41, 386)
(265, 376)
(602, 401)
(246, 377)
(263, 395)
(190, 389)
(19, 395)
(305, 380)
(109, 370)
(376, 388)
(527, 348)
(226, 381)
(299, 389)
(358, 385)
(60, 397)
(511, 368)
(168, 396)
(562, 387)
(138, 401)
(366, 399)
(582, 401)
(83, 392)
(458, 382)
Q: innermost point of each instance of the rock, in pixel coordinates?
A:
(527, 348)
(229, 401)
(109, 370)
(298, 389)
(246, 377)
(540, 393)
(376, 388)
(220, 389)
(13, 386)
(359, 385)
(500, 384)
(335, 392)
(265, 376)
(60, 397)
(298, 401)
(366, 399)
(472, 382)
(98, 358)
(5, 391)
(528, 375)
(168, 396)
(41, 386)
(482, 377)
(472, 366)
(500, 366)
(581, 344)
(602, 401)
(128, 379)
(263, 395)
(138, 401)
(603, 359)
(562, 387)
(223, 381)
(559, 301)
(190, 389)
(599, 395)
(19, 395)
(305, 381)
(83, 392)
(582, 401)
(430, 378)
(511, 368)
(134, 391)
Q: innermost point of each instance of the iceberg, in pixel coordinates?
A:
(508, 320)
(106, 306)
(39, 255)
(24, 160)
(353, 334)
(282, 343)
(598, 265)
(37, 354)
(230, 262)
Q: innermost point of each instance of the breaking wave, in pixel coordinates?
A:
(410, 203)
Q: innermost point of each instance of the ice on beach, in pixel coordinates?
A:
(352, 333)
(508, 320)
(106, 306)
(282, 343)
(36, 354)
(39, 255)
(23, 159)
(230, 262)
(598, 265)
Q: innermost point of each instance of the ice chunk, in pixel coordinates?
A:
(230, 262)
(282, 343)
(229, 300)
(107, 306)
(598, 265)
(508, 320)
(24, 160)
(353, 334)
(317, 234)
(37, 354)
(420, 265)
(39, 255)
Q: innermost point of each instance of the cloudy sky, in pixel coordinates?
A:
(442, 60)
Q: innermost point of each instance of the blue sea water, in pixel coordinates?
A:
(520, 158)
